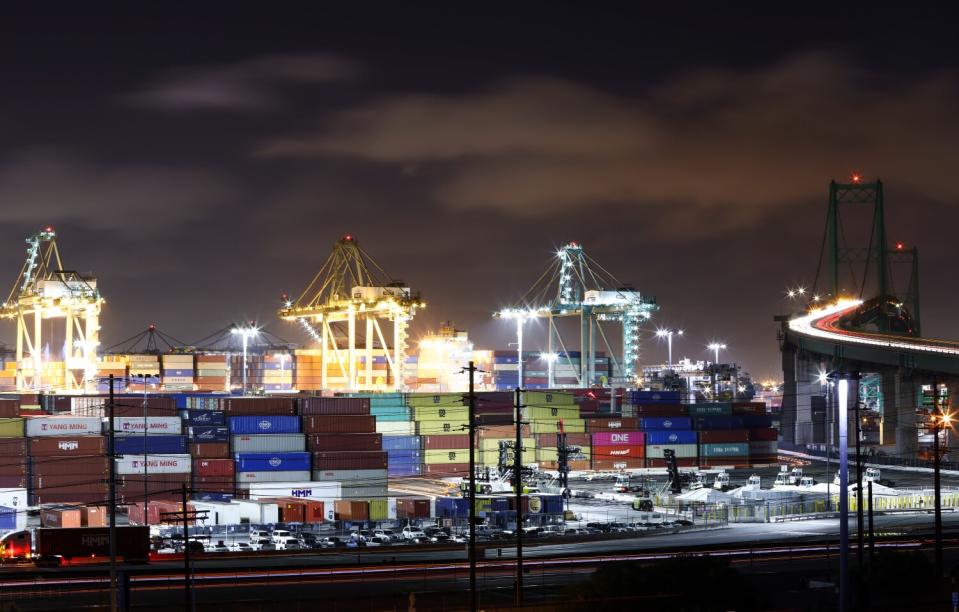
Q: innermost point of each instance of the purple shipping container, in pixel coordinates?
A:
(334, 405)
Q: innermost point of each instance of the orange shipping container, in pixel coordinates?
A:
(94, 516)
(55, 517)
(350, 510)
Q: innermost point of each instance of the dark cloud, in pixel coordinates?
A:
(248, 85)
(729, 145)
(47, 187)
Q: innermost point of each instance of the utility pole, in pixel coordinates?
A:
(187, 587)
(472, 491)
(872, 533)
(936, 427)
(146, 462)
(518, 483)
(843, 494)
(860, 523)
(113, 506)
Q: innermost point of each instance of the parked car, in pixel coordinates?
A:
(410, 533)
(378, 540)
(241, 547)
(218, 547)
(264, 545)
(332, 542)
(279, 535)
(440, 538)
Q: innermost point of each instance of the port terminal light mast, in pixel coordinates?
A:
(44, 290)
(575, 285)
(352, 295)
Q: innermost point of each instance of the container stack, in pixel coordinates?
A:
(68, 459)
(14, 466)
(8, 376)
(152, 460)
(212, 373)
(115, 366)
(209, 443)
(442, 422)
(177, 372)
(143, 369)
(269, 448)
(278, 373)
(254, 372)
(309, 370)
(545, 410)
(547, 451)
(763, 435)
(404, 455)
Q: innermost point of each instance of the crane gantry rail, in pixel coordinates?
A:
(352, 289)
(45, 290)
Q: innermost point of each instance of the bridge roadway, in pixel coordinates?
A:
(395, 573)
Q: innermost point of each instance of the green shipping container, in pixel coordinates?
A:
(11, 428)
(710, 409)
(379, 510)
(550, 413)
(492, 444)
(541, 398)
(459, 455)
(432, 413)
(440, 399)
(728, 449)
(552, 426)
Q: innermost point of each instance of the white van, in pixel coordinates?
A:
(280, 535)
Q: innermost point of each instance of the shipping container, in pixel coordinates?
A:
(317, 424)
(334, 405)
(154, 425)
(763, 448)
(407, 508)
(399, 428)
(618, 452)
(60, 517)
(391, 443)
(718, 436)
(65, 446)
(445, 469)
(351, 510)
(710, 409)
(9, 408)
(370, 477)
(92, 466)
(213, 484)
(539, 398)
(618, 438)
(210, 418)
(157, 445)
(749, 408)
(442, 442)
(549, 440)
(685, 451)
(245, 478)
(661, 410)
(273, 462)
(460, 455)
(235, 406)
(209, 433)
(671, 437)
(729, 449)
(257, 512)
(210, 450)
(264, 424)
(154, 464)
(132, 543)
(611, 424)
(94, 516)
(719, 422)
(213, 467)
(59, 426)
(346, 460)
(764, 435)
(269, 443)
(13, 447)
(666, 423)
(345, 442)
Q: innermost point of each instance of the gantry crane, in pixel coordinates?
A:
(351, 288)
(575, 285)
(44, 290)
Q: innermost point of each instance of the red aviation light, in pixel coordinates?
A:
(900, 246)
(348, 237)
(856, 178)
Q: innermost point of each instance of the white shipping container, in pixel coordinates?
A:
(257, 512)
(14, 498)
(352, 477)
(269, 443)
(154, 425)
(39, 427)
(684, 451)
(154, 464)
(347, 492)
(243, 478)
(391, 508)
(218, 513)
(306, 489)
(177, 380)
(396, 428)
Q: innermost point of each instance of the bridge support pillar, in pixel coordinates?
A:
(900, 394)
(799, 374)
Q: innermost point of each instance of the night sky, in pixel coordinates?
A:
(201, 158)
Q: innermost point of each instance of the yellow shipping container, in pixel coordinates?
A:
(432, 413)
(553, 398)
(550, 413)
(434, 428)
(437, 400)
(379, 510)
(552, 454)
(551, 427)
(11, 428)
(459, 455)
(493, 443)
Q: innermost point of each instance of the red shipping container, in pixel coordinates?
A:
(508, 409)
(724, 435)
(68, 446)
(617, 464)
(334, 405)
(9, 408)
(256, 406)
(618, 452)
(210, 450)
(736, 462)
(214, 484)
(412, 508)
(450, 442)
(13, 482)
(314, 511)
(56, 517)
(445, 469)
(94, 516)
(770, 434)
(348, 510)
(345, 442)
(13, 447)
(612, 424)
(359, 460)
(339, 424)
(17, 468)
(661, 410)
(484, 398)
(56, 481)
(749, 408)
(79, 494)
(133, 407)
(763, 459)
(500, 432)
(88, 465)
(618, 438)
(213, 467)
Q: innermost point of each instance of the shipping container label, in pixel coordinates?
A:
(170, 425)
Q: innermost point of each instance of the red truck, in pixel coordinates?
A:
(60, 546)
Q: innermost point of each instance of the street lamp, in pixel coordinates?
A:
(282, 357)
(521, 316)
(716, 347)
(668, 334)
(245, 333)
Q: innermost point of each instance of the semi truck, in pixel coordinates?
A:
(63, 546)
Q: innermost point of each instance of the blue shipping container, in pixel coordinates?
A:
(452, 507)
(500, 504)
(404, 454)
(666, 423)
(264, 424)
(719, 422)
(213, 497)
(8, 518)
(757, 421)
(205, 417)
(414, 469)
(654, 397)
(272, 462)
(158, 445)
(206, 433)
(671, 436)
(552, 504)
(401, 443)
(178, 372)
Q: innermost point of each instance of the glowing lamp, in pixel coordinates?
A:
(856, 178)
(900, 246)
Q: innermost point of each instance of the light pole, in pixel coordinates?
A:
(716, 347)
(520, 316)
(843, 494)
(245, 334)
(282, 357)
(668, 334)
